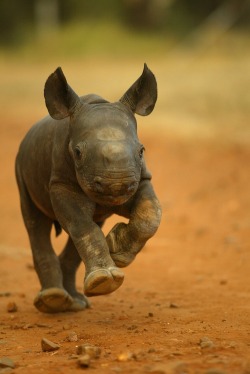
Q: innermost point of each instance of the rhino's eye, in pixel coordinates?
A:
(141, 151)
(78, 153)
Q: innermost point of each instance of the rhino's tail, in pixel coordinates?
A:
(58, 228)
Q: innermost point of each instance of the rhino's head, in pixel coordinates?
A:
(106, 151)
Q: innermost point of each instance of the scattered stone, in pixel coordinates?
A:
(73, 357)
(206, 343)
(27, 326)
(126, 356)
(178, 367)
(150, 314)
(116, 369)
(45, 325)
(84, 361)
(132, 327)
(6, 362)
(214, 371)
(49, 346)
(11, 307)
(173, 305)
(87, 349)
(223, 282)
(158, 369)
(72, 336)
(5, 294)
(151, 350)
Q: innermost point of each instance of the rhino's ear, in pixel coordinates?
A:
(60, 99)
(142, 95)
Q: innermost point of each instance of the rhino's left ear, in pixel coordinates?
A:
(60, 99)
(142, 95)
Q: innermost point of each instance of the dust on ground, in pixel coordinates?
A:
(184, 305)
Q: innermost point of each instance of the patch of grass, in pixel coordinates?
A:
(91, 38)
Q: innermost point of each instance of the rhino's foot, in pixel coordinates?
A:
(122, 259)
(119, 246)
(53, 300)
(103, 281)
(80, 302)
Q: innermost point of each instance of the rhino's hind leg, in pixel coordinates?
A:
(53, 300)
(70, 261)
(103, 281)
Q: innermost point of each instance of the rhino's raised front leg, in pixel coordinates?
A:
(74, 212)
(126, 240)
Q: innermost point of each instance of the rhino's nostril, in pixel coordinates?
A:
(98, 184)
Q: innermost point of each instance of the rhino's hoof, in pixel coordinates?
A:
(53, 300)
(122, 259)
(103, 281)
(79, 303)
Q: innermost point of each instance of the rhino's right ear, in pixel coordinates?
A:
(60, 99)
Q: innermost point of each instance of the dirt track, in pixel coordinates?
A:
(190, 282)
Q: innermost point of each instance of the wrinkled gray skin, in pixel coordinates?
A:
(74, 169)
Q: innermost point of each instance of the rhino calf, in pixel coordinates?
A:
(74, 169)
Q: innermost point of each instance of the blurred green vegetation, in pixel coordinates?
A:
(198, 50)
(80, 27)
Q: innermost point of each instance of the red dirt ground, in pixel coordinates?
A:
(191, 281)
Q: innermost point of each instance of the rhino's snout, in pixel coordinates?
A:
(108, 187)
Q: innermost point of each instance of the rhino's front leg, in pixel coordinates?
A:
(126, 240)
(74, 211)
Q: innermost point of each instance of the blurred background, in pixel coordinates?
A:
(198, 50)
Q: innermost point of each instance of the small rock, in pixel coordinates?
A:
(72, 337)
(173, 305)
(49, 346)
(150, 314)
(132, 327)
(6, 362)
(206, 343)
(84, 361)
(11, 307)
(87, 349)
(5, 294)
(126, 356)
(158, 369)
(214, 371)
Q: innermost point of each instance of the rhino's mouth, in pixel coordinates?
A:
(112, 192)
(115, 194)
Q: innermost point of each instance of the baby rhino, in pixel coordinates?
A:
(74, 169)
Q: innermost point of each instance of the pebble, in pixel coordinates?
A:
(214, 371)
(11, 307)
(72, 336)
(6, 362)
(84, 361)
(173, 305)
(126, 356)
(87, 349)
(49, 346)
(5, 294)
(206, 343)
